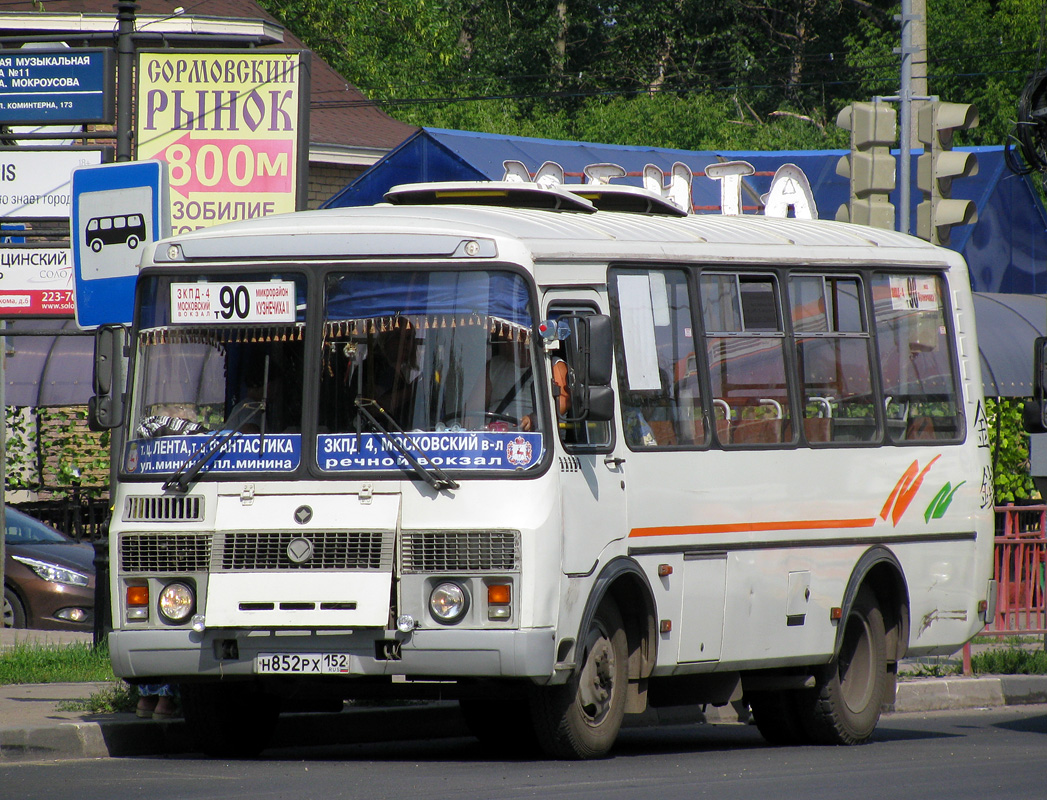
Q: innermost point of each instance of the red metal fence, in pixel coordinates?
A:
(1020, 564)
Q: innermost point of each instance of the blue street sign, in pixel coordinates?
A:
(117, 210)
(43, 87)
(8, 238)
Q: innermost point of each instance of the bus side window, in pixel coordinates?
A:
(834, 359)
(916, 359)
(658, 374)
(745, 343)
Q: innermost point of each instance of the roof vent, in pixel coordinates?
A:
(511, 194)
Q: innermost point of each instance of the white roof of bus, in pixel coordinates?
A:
(383, 229)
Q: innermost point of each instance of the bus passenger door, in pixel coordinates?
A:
(592, 471)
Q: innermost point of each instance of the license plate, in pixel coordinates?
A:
(301, 663)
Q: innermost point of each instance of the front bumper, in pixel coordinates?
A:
(440, 654)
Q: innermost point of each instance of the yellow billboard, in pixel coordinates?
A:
(233, 128)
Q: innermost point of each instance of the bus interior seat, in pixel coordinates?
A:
(817, 429)
(757, 431)
(663, 431)
(920, 427)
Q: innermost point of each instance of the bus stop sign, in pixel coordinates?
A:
(117, 209)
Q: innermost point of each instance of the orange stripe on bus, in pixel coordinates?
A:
(750, 527)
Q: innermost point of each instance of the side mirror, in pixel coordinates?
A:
(601, 348)
(106, 409)
(601, 404)
(1034, 414)
(589, 353)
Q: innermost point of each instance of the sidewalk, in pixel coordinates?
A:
(32, 728)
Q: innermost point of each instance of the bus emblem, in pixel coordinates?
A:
(300, 550)
(518, 452)
(303, 514)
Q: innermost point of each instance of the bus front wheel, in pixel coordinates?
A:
(229, 720)
(581, 718)
(845, 705)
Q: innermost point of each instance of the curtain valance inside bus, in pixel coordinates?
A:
(221, 335)
(370, 295)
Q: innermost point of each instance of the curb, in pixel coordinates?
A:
(128, 736)
(125, 736)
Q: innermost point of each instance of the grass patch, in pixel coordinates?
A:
(114, 698)
(51, 663)
(1010, 661)
(931, 669)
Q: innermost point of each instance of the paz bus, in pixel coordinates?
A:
(347, 467)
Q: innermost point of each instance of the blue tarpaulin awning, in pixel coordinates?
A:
(1006, 249)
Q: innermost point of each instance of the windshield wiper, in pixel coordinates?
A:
(434, 476)
(192, 466)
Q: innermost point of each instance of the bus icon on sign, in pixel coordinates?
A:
(126, 229)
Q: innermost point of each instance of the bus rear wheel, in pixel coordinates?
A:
(581, 718)
(845, 705)
(229, 720)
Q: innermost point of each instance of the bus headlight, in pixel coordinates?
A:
(177, 601)
(448, 603)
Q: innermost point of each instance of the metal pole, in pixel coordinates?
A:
(125, 55)
(905, 120)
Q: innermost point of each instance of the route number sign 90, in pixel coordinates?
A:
(233, 303)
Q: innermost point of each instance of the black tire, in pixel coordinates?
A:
(581, 718)
(845, 705)
(229, 720)
(777, 716)
(96, 245)
(132, 242)
(14, 611)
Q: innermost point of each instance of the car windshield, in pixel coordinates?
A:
(22, 529)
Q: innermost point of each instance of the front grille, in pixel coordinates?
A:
(164, 509)
(165, 552)
(366, 550)
(460, 551)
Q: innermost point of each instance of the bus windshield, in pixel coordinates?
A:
(219, 360)
(417, 370)
(428, 351)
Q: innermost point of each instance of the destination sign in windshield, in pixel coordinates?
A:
(220, 303)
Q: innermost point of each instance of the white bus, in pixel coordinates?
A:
(348, 468)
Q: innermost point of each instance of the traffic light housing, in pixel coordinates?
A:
(939, 166)
(869, 167)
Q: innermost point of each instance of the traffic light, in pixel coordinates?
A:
(869, 167)
(939, 165)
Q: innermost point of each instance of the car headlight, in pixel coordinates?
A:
(53, 572)
(176, 602)
(448, 602)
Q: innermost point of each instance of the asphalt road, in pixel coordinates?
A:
(956, 755)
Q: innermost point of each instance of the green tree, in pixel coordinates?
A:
(978, 52)
(761, 74)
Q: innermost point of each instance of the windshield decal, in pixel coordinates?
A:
(280, 453)
(469, 450)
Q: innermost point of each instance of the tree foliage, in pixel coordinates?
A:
(682, 73)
